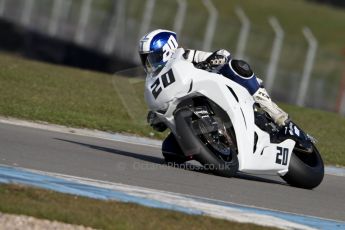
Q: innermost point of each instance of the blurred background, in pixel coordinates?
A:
(296, 46)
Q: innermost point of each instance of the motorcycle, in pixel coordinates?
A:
(215, 121)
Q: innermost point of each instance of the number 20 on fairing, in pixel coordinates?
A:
(282, 156)
(167, 79)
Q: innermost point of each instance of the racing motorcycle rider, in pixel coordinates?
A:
(158, 46)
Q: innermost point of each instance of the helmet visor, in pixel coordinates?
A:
(152, 62)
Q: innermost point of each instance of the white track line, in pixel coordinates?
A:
(208, 207)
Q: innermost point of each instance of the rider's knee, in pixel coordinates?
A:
(241, 68)
(240, 72)
(237, 69)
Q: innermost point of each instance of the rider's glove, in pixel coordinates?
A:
(154, 122)
(218, 58)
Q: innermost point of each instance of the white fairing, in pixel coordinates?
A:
(180, 79)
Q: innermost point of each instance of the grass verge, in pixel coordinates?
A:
(43, 92)
(101, 214)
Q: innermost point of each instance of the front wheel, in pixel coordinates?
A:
(195, 144)
(305, 170)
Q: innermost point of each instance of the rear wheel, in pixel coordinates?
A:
(305, 170)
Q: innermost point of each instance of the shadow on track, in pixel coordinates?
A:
(244, 176)
(150, 159)
(156, 160)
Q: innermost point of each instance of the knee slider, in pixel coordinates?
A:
(241, 68)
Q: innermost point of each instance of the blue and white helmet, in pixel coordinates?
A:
(156, 48)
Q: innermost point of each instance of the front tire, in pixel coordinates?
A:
(191, 144)
(305, 170)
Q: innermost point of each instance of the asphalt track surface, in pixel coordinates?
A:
(144, 166)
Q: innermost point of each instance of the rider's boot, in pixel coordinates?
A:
(281, 118)
(277, 114)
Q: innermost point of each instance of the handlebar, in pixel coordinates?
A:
(204, 65)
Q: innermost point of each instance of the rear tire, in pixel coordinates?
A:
(305, 170)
